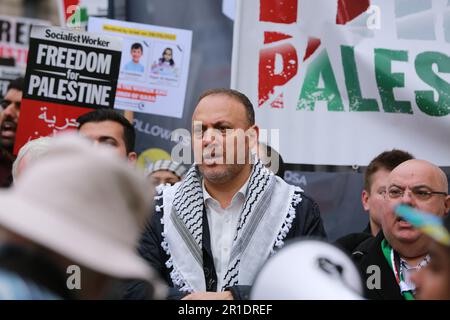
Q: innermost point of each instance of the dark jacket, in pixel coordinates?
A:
(369, 254)
(307, 222)
(349, 242)
(6, 162)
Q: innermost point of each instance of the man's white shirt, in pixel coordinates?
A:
(222, 228)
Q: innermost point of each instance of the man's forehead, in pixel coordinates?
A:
(380, 177)
(13, 94)
(219, 108)
(102, 127)
(410, 177)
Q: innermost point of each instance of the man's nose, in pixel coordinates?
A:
(209, 136)
(408, 198)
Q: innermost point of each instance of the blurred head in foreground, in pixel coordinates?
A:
(30, 152)
(81, 209)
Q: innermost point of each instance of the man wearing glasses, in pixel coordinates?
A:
(400, 250)
(9, 117)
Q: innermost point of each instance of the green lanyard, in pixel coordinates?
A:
(388, 253)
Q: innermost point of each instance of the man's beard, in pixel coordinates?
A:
(8, 125)
(220, 176)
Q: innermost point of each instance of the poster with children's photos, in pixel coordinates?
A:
(154, 66)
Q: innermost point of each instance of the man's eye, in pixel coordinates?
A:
(422, 193)
(5, 103)
(226, 129)
(395, 193)
(109, 142)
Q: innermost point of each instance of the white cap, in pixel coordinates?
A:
(308, 270)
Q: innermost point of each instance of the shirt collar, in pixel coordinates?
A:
(241, 192)
(422, 263)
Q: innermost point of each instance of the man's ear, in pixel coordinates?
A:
(447, 204)
(132, 157)
(365, 200)
(253, 135)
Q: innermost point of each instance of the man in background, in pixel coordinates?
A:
(375, 179)
(165, 172)
(9, 119)
(372, 196)
(108, 127)
(400, 250)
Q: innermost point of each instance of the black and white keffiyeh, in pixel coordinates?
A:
(265, 220)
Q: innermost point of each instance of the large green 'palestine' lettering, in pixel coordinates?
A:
(311, 92)
(357, 102)
(425, 99)
(387, 81)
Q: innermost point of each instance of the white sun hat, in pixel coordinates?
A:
(83, 203)
(308, 270)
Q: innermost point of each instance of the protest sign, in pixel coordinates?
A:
(14, 35)
(7, 74)
(154, 67)
(69, 73)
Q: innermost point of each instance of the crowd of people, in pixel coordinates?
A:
(77, 220)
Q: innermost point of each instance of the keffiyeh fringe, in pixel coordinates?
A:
(287, 224)
(175, 275)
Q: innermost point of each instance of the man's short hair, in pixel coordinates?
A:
(17, 84)
(240, 97)
(137, 45)
(387, 160)
(100, 115)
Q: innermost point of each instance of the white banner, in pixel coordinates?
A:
(346, 80)
(14, 38)
(154, 67)
(8, 74)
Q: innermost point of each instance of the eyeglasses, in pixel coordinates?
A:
(418, 193)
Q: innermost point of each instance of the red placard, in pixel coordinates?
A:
(42, 118)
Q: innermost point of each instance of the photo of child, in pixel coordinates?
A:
(136, 53)
(165, 65)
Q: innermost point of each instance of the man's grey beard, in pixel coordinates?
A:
(220, 177)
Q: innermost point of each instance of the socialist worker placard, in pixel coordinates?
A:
(68, 74)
